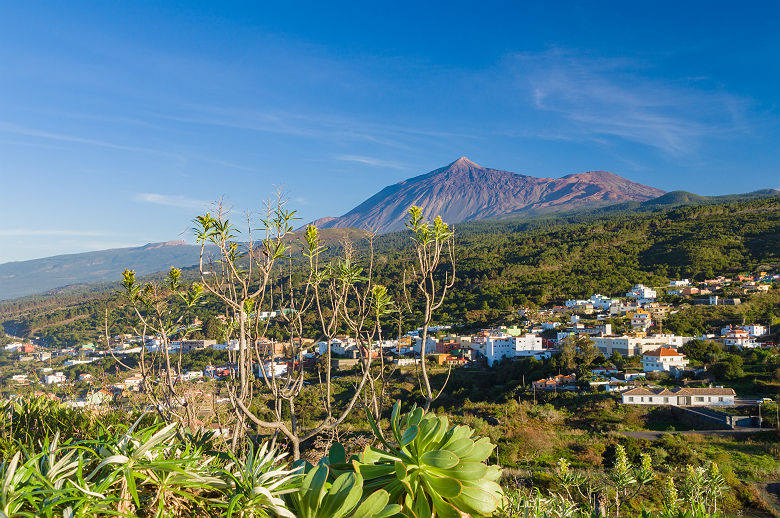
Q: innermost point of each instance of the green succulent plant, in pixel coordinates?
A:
(342, 497)
(434, 469)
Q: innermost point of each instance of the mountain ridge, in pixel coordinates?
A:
(466, 191)
(589, 193)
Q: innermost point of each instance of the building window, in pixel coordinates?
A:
(666, 400)
(701, 399)
(630, 399)
(720, 399)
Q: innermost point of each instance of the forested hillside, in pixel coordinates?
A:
(505, 264)
(502, 265)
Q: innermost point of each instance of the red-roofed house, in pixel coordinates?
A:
(679, 397)
(663, 359)
(740, 338)
(554, 382)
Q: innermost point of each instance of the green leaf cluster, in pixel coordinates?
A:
(432, 467)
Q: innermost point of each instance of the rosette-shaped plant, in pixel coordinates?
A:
(322, 496)
(434, 469)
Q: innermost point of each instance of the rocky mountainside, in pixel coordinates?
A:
(465, 191)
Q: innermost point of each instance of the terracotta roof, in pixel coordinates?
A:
(639, 391)
(706, 391)
(663, 351)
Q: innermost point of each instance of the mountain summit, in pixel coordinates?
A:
(465, 191)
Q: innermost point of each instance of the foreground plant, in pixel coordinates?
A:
(256, 484)
(433, 468)
(318, 497)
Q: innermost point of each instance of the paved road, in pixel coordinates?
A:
(652, 435)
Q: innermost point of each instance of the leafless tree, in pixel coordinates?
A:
(279, 277)
(162, 312)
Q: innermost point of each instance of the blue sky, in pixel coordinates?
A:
(121, 121)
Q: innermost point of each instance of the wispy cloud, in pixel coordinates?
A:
(29, 232)
(171, 200)
(308, 125)
(621, 98)
(374, 162)
(8, 127)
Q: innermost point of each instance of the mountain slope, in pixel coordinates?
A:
(21, 278)
(465, 191)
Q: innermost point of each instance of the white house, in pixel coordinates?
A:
(621, 308)
(430, 344)
(755, 330)
(601, 302)
(673, 341)
(337, 347)
(680, 396)
(725, 330)
(682, 282)
(663, 359)
(641, 320)
(642, 293)
(57, 377)
(633, 345)
(271, 370)
(631, 375)
(498, 348)
(739, 338)
(504, 346)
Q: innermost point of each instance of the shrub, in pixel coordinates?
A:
(432, 467)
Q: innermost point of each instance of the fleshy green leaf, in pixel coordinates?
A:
(409, 435)
(373, 505)
(446, 487)
(337, 454)
(441, 459)
(482, 450)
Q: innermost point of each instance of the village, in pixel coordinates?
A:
(647, 354)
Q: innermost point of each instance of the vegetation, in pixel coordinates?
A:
(417, 464)
(424, 467)
(162, 470)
